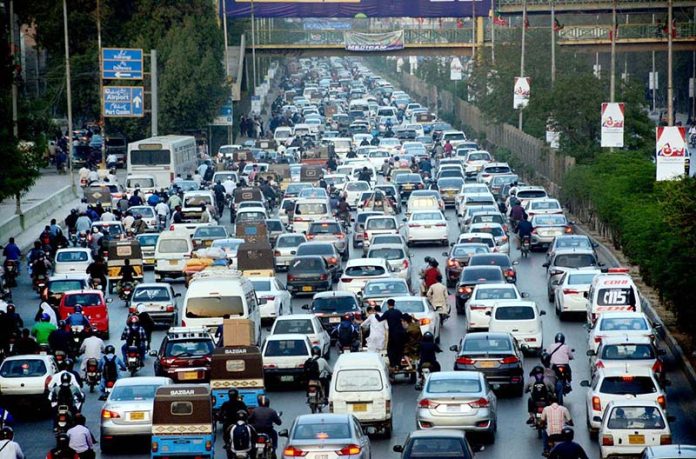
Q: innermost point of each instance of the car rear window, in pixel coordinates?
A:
(365, 271)
(364, 380)
(529, 194)
(580, 279)
(408, 178)
(622, 385)
(496, 231)
(71, 256)
(321, 431)
(546, 205)
(487, 218)
(465, 250)
(549, 220)
(410, 306)
(386, 288)
(173, 246)
(627, 352)
(307, 264)
(62, 286)
(310, 209)
(615, 296)
(84, 299)
(479, 157)
(635, 418)
(23, 368)
(286, 348)
(274, 225)
(575, 260)
(133, 393)
(450, 183)
(210, 231)
(497, 170)
(490, 260)
(291, 241)
(482, 274)
(335, 304)
(455, 385)
(496, 294)
(481, 240)
(299, 326)
(357, 186)
(426, 216)
(386, 253)
(150, 294)
(148, 239)
(427, 448)
(315, 249)
(261, 285)
(623, 324)
(515, 313)
(380, 224)
(487, 343)
(324, 228)
(214, 306)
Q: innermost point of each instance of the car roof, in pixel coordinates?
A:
(670, 452)
(166, 285)
(627, 370)
(333, 293)
(295, 317)
(286, 336)
(143, 380)
(326, 418)
(622, 315)
(485, 335)
(626, 339)
(365, 262)
(439, 433)
(568, 250)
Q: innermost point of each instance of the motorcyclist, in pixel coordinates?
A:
(70, 220)
(229, 410)
(365, 175)
(139, 225)
(347, 332)
(567, 448)
(77, 318)
(219, 192)
(13, 318)
(65, 393)
(59, 339)
(127, 274)
(559, 354)
(65, 366)
(523, 230)
(425, 165)
(135, 200)
(316, 368)
(134, 335)
(439, 297)
(62, 449)
(43, 329)
(98, 270)
(343, 209)
(83, 223)
(541, 390)
(428, 353)
(25, 344)
(431, 274)
(109, 366)
(241, 437)
(91, 348)
(262, 419)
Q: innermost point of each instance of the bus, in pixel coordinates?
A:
(162, 157)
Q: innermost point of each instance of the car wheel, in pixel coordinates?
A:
(388, 430)
(327, 353)
(518, 390)
(489, 436)
(107, 446)
(550, 295)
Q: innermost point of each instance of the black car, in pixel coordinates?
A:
(330, 306)
(471, 277)
(432, 443)
(407, 183)
(308, 275)
(496, 355)
(496, 259)
(327, 250)
(458, 258)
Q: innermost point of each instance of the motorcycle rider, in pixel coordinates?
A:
(559, 354)
(241, 437)
(438, 296)
(219, 192)
(134, 335)
(77, 319)
(98, 270)
(555, 417)
(431, 274)
(139, 226)
(343, 210)
(59, 339)
(229, 411)
(347, 333)
(14, 319)
(65, 393)
(109, 365)
(9, 447)
(46, 308)
(65, 367)
(567, 448)
(523, 230)
(127, 274)
(365, 175)
(43, 329)
(316, 368)
(25, 344)
(428, 354)
(262, 419)
(62, 449)
(83, 223)
(92, 348)
(541, 389)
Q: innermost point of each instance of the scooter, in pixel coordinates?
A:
(92, 372)
(315, 396)
(10, 273)
(133, 363)
(40, 282)
(76, 334)
(126, 293)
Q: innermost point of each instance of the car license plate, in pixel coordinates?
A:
(137, 416)
(453, 408)
(321, 456)
(359, 407)
(486, 364)
(408, 187)
(334, 320)
(150, 261)
(287, 378)
(307, 288)
(188, 375)
(173, 262)
(636, 439)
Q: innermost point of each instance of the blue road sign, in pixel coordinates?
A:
(122, 64)
(123, 101)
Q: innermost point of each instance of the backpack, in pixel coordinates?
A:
(241, 438)
(110, 371)
(540, 391)
(312, 369)
(65, 396)
(345, 333)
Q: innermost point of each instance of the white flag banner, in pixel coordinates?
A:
(670, 152)
(455, 69)
(613, 124)
(521, 92)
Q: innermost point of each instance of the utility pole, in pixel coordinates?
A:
(553, 42)
(493, 32)
(227, 64)
(524, 33)
(102, 123)
(253, 44)
(473, 30)
(68, 86)
(612, 69)
(154, 94)
(670, 88)
(15, 94)
(653, 79)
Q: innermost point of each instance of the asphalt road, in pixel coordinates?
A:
(513, 434)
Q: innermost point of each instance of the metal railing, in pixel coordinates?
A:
(657, 3)
(335, 38)
(601, 32)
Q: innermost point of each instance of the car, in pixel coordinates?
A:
(489, 218)
(451, 172)
(377, 290)
(359, 227)
(669, 452)
(378, 224)
(392, 193)
(570, 241)
(360, 270)
(275, 228)
(479, 238)
(471, 277)
(338, 181)
(287, 206)
(158, 300)
(482, 300)
(285, 249)
(148, 242)
(273, 297)
(434, 443)
(546, 227)
(475, 160)
(396, 255)
(420, 308)
(284, 356)
(147, 213)
(204, 236)
(185, 354)
(426, 226)
(612, 291)
(570, 290)
(496, 259)
(530, 193)
(314, 435)
(458, 257)
(475, 206)
(629, 426)
(458, 400)
(293, 189)
(385, 239)
(231, 248)
(308, 274)
(304, 324)
(329, 307)
(611, 324)
(127, 411)
(636, 351)
(424, 200)
(325, 249)
(496, 355)
(94, 308)
(61, 283)
(490, 170)
(406, 183)
(24, 380)
(329, 231)
(522, 319)
(354, 190)
(114, 229)
(502, 242)
(313, 193)
(566, 260)
(542, 207)
(499, 181)
(72, 260)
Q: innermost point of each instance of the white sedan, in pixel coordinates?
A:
(612, 324)
(426, 226)
(569, 292)
(274, 299)
(304, 324)
(482, 300)
(360, 270)
(72, 260)
(354, 190)
(420, 308)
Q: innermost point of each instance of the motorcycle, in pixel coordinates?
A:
(60, 357)
(40, 282)
(162, 222)
(315, 396)
(539, 425)
(11, 270)
(264, 446)
(76, 335)
(92, 372)
(63, 419)
(133, 362)
(126, 293)
(425, 372)
(72, 237)
(108, 387)
(525, 246)
(563, 374)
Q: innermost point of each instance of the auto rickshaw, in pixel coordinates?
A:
(247, 193)
(98, 195)
(242, 155)
(182, 422)
(254, 232)
(266, 144)
(281, 173)
(240, 367)
(118, 251)
(311, 172)
(255, 259)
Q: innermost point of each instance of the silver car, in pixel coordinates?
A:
(397, 256)
(128, 410)
(547, 227)
(158, 300)
(326, 435)
(458, 400)
(286, 248)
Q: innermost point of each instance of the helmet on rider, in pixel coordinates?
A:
(428, 337)
(316, 351)
(559, 338)
(348, 316)
(7, 433)
(427, 259)
(45, 317)
(65, 379)
(133, 320)
(242, 415)
(264, 401)
(11, 308)
(537, 370)
(233, 393)
(78, 308)
(109, 349)
(567, 433)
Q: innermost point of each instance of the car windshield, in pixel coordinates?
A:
(544, 205)
(151, 294)
(386, 253)
(290, 241)
(459, 251)
(173, 246)
(575, 260)
(482, 274)
(549, 220)
(580, 279)
(192, 348)
(363, 380)
(623, 324)
(334, 304)
(299, 326)
(71, 256)
(380, 224)
(635, 418)
(324, 228)
(84, 299)
(426, 216)
(427, 448)
(62, 286)
(486, 343)
(286, 348)
(261, 285)
(29, 368)
(315, 208)
(133, 393)
(386, 288)
(627, 352)
(365, 271)
(496, 294)
(214, 306)
(321, 431)
(147, 239)
(274, 225)
(210, 231)
(455, 385)
(515, 313)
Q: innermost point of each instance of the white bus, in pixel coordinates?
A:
(162, 157)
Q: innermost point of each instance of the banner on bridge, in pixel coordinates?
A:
(356, 8)
(387, 41)
(670, 152)
(612, 124)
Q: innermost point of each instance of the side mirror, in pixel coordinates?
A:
(516, 262)
(305, 307)
(585, 383)
(546, 265)
(398, 448)
(525, 295)
(591, 353)
(152, 353)
(283, 433)
(404, 220)
(445, 254)
(488, 313)
(542, 313)
(454, 348)
(586, 294)
(177, 295)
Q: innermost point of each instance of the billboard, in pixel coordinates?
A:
(670, 152)
(387, 41)
(359, 8)
(612, 124)
(521, 92)
(455, 69)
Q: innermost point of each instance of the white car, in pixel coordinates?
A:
(396, 255)
(337, 180)
(147, 213)
(304, 324)
(354, 190)
(286, 247)
(542, 207)
(490, 170)
(502, 242)
(426, 226)
(360, 270)
(420, 308)
(23, 379)
(379, 224)
(478, 238)
(629, 426)
(522, 319)
(636, 351)
(570, 290)
(274, 299)
(284, 357)
(378, 157)
(611, 324)
(482, 300)
(72, 260)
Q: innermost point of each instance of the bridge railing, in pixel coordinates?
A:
(571, 33)
(660, 3)
(413, 37)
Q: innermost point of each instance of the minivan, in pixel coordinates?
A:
(171, 251)
(309, 210)
(522, 319)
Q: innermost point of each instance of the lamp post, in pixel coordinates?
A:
(68, 92)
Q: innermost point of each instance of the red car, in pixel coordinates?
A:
(93, 307)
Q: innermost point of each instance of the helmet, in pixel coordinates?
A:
(316, 351)
(78, 308)
(567, 433)
(428, 337)
(133, 320)
(427, 259)
(348, 316)
(242, 415)
(109, 349)
(45, 317)
(65, 379)
(233, 393)
(537, 370)
(559, 338)
(264, 401)
(7, 433)
(11, 308)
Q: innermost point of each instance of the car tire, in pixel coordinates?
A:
(388, 430)
(518, 390)
(106, 446)
(488, 437)
(550, 295)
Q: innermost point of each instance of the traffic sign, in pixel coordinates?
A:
(225, 116)
(123, 101)
(122, 64)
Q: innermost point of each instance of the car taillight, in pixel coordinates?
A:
(419, 186)
(568, 229)
(607, 440)
(509, 359)
(465, 361)
(269, 298)
(570, 291)
(477, 307)
(596, 404)
(294, 452)
(310, 236)
(349, 450)
(599, 364)
(366, 236)
(509, 273)
(425, 403)
(183, 323)
(657, 367)
(665, 439)
(440, 224)
(405, 263)
(480, 403)
(171, 227)
(269, 366)
(108, 414)
(155, 446)
(170, 308)
(167, 361)
(424, 321)
(451, 262)
(208, 445)
(323, 277)
(662, 401)
(598, 339)
(47, 382)
(291, 277)
(464, 289)
(345, 280)
(276, 253)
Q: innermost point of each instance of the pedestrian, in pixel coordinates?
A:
(377, 339)
(397, 334)
(81, 439)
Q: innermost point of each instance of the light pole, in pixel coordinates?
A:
(553, 42)
(102, 123)
(670, 88)
(524, 33)
(253, 43)
(612, 69)
(227, 63)
(15, 95)
(68, 92)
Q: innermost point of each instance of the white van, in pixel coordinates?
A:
(171, 252)
(145, 183)
(309, 210)
(213, 296)
(283, 134)
(613, 291)
(522, 319)
(360, 386)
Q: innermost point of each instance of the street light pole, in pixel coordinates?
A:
(102, 123)
(68, 92)
(553, 42)
(227, 63)
(253, 43)
(612, 69)
(524, 33)
(670, 88)
(473, 31)
(15, 94)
